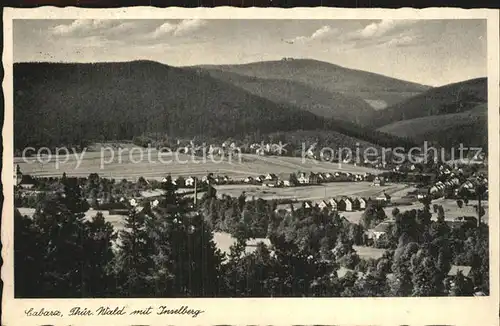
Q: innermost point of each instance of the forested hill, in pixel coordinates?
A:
(449, 99)
(59, 104)
(318, 101)
(329, 77)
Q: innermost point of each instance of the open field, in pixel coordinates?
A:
(312, 192)
(224, 241)
(369, 252)
(134, 162)
(118, 221)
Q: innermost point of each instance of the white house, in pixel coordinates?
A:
(307, 204)
(382, 229)
(345, 204)
(323, 204)
(333, 204)
(362, 203)
(383, 197)
(271, 176)
(378, 181)
(303, 178)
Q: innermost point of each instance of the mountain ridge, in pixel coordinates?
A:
(64, 103)
(451, 98)
(317, 101)
(369, 86)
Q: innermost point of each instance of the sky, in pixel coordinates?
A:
(430, 52)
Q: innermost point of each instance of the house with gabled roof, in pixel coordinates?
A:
(379, 181)
(260, 178)
(348, 204)
(323, 204)
(355, 204)
(362, 203)
(384, 197)
(344, 205)
(308, 204)
(189, 182)
(303, 178)
(328, 176)
(308, 178)
(25, 181)
(271, 176)
(333, 204)
(313, 178)
(382, 228)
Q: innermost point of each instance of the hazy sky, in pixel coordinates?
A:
(432, 52)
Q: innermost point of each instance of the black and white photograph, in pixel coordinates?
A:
(250, 158)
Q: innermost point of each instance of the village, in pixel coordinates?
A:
(348, 193)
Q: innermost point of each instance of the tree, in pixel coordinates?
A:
(460, 286)
(97, 269)
(372, 284)
(28, 258)
(60, 236)
(345, 254)
(241, 201)
(427, 279)
(71, 196)
(440, 212)
(250, 275)
(211, 192)
(134, 260)
(372, 215)
(184, 259)
(402, 284)
(293, 179)
(426, 201)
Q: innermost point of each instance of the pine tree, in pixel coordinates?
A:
(134, 261)
(185, 260)
(99, 255)
(28, 258)
(61, 237)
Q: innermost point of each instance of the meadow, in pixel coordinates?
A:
(311, 192)
(135, 162)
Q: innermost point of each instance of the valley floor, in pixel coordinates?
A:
(133, 164)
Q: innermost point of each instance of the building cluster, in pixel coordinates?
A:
(337, 204)
(305, 178)
(457, 184)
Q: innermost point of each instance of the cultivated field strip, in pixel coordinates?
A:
(132, 167)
